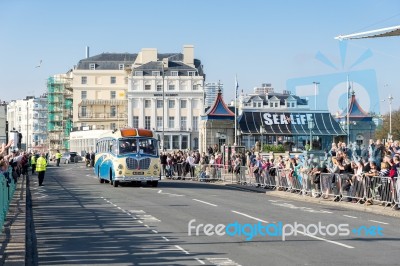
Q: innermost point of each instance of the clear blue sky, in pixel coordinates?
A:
(259, 41)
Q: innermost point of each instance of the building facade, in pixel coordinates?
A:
(59, 124)
(166, 94)
(3, 122)
(211, 90)
(100, 86)
(29, 117)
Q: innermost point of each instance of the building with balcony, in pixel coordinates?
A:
(59, 124)
(165, 94)
(29, 117)
(100, 86)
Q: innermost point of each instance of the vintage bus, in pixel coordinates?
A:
(127, 155)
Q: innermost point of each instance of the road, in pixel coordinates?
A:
(80, 221)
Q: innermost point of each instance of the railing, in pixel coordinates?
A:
(7, 189)
(101, 115)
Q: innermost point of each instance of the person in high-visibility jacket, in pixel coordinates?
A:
(33, 162)
(41, 168)
(58, 157)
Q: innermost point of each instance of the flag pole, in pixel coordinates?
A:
(348, 111)
(236, 90)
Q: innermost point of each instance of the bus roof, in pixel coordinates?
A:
(130, 132)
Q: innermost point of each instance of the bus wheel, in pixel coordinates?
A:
(116, 183)
(111, 181)
(101, 180)
(154, 183)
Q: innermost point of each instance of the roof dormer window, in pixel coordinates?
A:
(191, 73)
(92, 66)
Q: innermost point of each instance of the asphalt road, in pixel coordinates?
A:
(79, 221)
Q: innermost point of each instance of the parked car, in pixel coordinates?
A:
(70, 157)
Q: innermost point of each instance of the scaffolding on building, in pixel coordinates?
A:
(60, 112)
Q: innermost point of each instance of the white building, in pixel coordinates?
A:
(165, 94)
(211, 90)
(29, 117)
(3, 119)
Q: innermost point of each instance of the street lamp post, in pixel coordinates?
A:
(163, 106)
(310, 127)
(390, 99)
(27, 125)
(261, 133)
(315, 94)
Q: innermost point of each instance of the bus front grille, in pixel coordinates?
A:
(142, 164)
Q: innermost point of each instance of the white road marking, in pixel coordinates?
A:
(137, 211)
(180, 248)
(222, 261)
(166, 239)
(146, 225)
(171, 194)
(128, 213)
(147, 218)
(302, 233)
(155, 231)
(251, 217)
(140, 222)
(205, 202)
(326, 240)
(349, 216)
(306, 209)
(115, 205)
(377, 222)
(118, 207)
(199, 261)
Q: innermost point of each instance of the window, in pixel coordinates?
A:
(191, 73)
(183, 103)
(184, 142)
(276, 105)
(113, 126)
(288, 104)
(147, 87)
(271, 104)
(121, 66)
(19, 118)
(138, 73)
(159, 122)
(159, 87)
(83, 111)
(259, 104)
(147, 103)
(112, 95)
(135, 121)
(83, 95)
(183, 123)
(113, 111)
(147, 122)
(166, 142)
(171, 122)
(195, 87)
(174, 73)
(155, 73)
(113, 80)
(159, 103)
(254, 104)
(171, 103)
(175, 142)
(19, 109)
(83, 80)
(171, 87)
(293, 105)
(195, 123)
(92, 66)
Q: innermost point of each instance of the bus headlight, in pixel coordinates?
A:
(155, 166)
(120, 166)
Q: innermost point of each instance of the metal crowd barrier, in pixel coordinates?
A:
(7, 189)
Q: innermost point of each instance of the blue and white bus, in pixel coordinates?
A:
(127, 155)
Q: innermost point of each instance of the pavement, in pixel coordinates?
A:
(18, 244)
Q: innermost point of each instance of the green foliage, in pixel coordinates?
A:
(273, 148)
(382, 131)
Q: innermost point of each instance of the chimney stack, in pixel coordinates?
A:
(87, 51)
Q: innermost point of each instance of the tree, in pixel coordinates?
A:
(383, 130)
